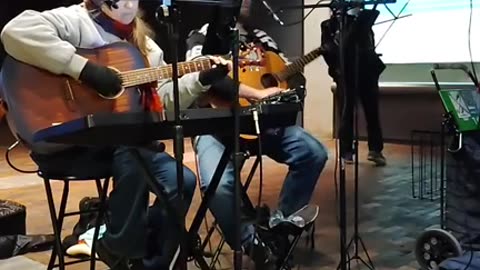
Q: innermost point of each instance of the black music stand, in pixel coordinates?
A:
(169, 8)
(340, 8)
(170, 17)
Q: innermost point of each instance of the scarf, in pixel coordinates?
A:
(124, 31)
(150, 98)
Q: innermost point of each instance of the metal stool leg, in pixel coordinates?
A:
(102, 193)
(56, 223)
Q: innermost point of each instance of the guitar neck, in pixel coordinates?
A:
(298, 64)
(148, 75)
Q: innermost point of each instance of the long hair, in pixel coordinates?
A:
(141, 30)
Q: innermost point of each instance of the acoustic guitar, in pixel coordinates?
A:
(36, 99)
(270, 71)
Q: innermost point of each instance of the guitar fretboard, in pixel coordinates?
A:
(147, 75)
(298, 64)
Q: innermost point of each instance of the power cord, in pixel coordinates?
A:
(475, 76)
(7, 158)
(476, 79)
(470, 42)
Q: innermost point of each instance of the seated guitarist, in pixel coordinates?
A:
(48, 40)
(293, 146)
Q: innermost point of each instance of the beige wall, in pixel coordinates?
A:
(319, 106)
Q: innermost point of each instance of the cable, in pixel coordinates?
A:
(475, 76)
(470, 41)
(335, 179)
(7, 158)
(260, 190)
(259, 154)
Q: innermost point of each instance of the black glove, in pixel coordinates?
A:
(208, 77)
(103, 79)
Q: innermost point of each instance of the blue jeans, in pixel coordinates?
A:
(136, 230)
(293, 146)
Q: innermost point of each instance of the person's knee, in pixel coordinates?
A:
(319, 155)
(225, 187)
(309, 150)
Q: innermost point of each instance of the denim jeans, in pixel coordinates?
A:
(293, 146)
(135, 230)
(128, 203)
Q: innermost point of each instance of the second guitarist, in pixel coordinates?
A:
(304, 155)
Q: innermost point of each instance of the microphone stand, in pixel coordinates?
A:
(342, 191)
(237, 249)
(170, 13)
(173, 33)
(342, 6)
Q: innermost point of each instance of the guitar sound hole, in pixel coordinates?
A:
(268, 80)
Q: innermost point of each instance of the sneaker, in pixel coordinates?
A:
(260, 254)
(113, 261)
(276, 218)
(377, 158)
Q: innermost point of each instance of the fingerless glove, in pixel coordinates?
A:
(103, 79)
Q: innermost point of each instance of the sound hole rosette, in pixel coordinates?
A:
(434, 246)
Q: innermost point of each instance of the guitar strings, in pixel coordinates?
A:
(140, 78)
(145, 75)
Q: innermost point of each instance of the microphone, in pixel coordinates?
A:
(270, 10)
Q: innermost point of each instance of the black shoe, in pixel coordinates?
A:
(348, 157)
(113, 261)
(377, 158)
(260, 254)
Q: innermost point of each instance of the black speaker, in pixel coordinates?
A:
(12, 218)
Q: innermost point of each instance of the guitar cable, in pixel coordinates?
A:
(7, 158)
(256, 121)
